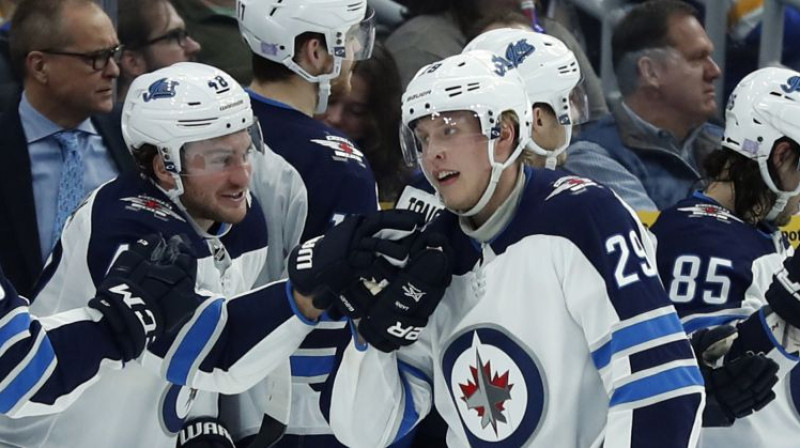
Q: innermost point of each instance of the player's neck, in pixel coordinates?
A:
(295, 91)
(722, 192)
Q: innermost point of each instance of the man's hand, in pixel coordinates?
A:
(148, 290)
(783, 294)
(737, 387)
(393, 309)
(324, 266)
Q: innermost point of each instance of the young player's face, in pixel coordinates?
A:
(216, 179)
(454, 157)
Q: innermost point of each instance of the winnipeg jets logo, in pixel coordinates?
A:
(412, 292)
(792, 85)
(163, 88)
(343, 149)
(711, 211)
(572, 184)
(516, 53)
(157, 207)
(486, 392)
(496, 385)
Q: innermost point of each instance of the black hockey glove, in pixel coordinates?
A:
(737, 387)
(783, 294)
(204, 432)
(401, 309)
(323, 266)
(148, 290)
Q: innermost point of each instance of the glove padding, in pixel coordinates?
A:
(204, 432)
(324, 266)
(736, 388)
(394, 314)
(783, 294)
(148, 290)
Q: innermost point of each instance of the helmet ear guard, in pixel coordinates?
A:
(764, 107)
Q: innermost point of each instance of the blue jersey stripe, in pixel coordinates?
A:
(14, 327)
(701, 322)
(311, 365)
(635, 334)
(410, 415)
(193, 343)
(28, 377)
(659, 383)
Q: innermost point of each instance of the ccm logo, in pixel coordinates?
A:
(306, 253)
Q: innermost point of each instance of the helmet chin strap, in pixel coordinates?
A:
(551, 156)
(323, 93)
(777, 207)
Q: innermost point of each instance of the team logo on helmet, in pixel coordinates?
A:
(496, 385)
(501, 65)
(163, 88)
(792, 85)
(518, 52)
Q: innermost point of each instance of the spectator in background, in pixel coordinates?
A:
(441, 28)
(154, 36)
(213, 23)
(651, 148)
(58, 141)
(370, 115)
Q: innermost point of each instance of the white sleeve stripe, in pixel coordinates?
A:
(654, 370)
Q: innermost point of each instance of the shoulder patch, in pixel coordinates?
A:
(571, 184)
(343, 149)
(711, 211)
(159, 208)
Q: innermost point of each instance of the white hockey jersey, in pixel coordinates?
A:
(719, 275)
(228, 346)
(555, 332)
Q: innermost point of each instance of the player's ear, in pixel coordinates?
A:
(313, 55)
(163, 177)
(506, 142)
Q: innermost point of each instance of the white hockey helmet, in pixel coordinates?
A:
(476, 81)
(183, 103)
(551, 73)
(270, 28)
(764, 107)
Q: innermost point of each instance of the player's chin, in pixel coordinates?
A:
(232, 215)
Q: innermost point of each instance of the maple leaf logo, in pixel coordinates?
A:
(487, 393)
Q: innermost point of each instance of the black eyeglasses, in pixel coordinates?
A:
(97, 59)
(178, 35)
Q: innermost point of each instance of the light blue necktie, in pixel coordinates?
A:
(70, 186)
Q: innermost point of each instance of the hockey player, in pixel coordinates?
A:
(553, 83)
(192, 131)
(302, 51)
(724, 264)
(147, 290)
(555, 330)
(554, 86)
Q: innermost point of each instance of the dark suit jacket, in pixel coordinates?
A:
(19, 236)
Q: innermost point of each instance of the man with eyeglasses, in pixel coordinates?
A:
(58, 141)
(154, 36)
